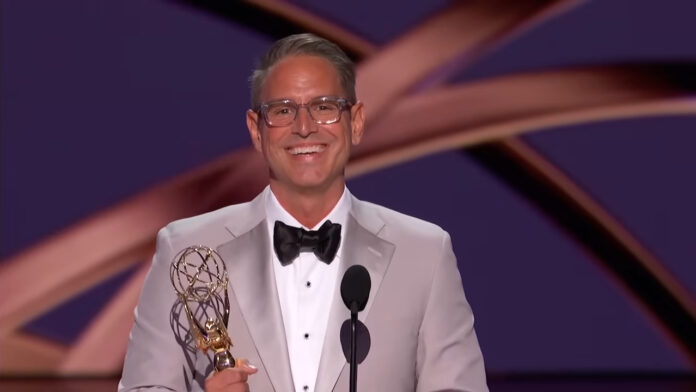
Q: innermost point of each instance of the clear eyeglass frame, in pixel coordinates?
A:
(283, 112)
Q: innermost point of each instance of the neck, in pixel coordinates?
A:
(307, 206)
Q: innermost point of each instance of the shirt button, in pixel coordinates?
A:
(306, 336)
(306, 388)
(308, 284)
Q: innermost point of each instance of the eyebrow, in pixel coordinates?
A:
(310, 100)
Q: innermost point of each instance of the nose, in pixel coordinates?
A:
(304, 125)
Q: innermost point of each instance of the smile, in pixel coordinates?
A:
(308, 149)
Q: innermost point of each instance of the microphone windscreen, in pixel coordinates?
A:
(355, 286)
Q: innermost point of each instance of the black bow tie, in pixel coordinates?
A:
(289, 241)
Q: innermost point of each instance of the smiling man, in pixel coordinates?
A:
(304, 125)
(287, 250)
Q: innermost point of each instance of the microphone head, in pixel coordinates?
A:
(355, 287)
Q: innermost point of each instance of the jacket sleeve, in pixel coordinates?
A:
(448, 354)
(154, 360)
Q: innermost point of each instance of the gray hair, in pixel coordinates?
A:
(304, 44)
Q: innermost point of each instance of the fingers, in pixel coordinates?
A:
(243, 365)
(232, 379)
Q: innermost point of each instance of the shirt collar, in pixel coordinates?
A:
(275, 211)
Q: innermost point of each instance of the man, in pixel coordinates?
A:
(286, 309)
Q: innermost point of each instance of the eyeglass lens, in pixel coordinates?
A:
(284, 113)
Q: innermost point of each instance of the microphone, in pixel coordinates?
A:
(355, 290)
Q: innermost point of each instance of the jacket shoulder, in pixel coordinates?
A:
(209, 224)
(400, 225)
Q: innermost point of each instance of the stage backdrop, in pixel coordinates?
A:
(554, 140)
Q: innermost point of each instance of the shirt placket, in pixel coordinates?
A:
(306, 310)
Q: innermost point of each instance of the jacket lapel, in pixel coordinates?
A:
(253, 283)
(361, 245)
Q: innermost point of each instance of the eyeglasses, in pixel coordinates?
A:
(322, 110)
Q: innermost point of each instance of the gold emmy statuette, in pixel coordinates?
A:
(199, 275)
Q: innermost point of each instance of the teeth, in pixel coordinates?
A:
(306, 149)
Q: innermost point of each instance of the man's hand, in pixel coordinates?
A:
(232, 379)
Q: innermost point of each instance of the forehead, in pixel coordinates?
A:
(301, 78)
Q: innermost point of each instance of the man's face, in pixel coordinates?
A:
(305, 156)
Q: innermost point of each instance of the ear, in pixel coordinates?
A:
(357, 122)
(252, 121)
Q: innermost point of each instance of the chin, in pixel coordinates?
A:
(309, 185)
(307, 180)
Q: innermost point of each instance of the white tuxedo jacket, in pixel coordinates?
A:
(420, 326)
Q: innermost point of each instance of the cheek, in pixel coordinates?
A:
(271, 141)
(342, 133)
(348, 137)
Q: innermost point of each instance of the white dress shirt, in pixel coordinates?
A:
(305, 288)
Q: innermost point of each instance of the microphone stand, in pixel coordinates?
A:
(355, 291)
(353, 346)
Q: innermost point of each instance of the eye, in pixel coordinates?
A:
(324, 107)
(280, 110)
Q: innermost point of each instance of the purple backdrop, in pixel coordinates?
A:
(101, 100)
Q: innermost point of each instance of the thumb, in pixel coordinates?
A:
(243, 365)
